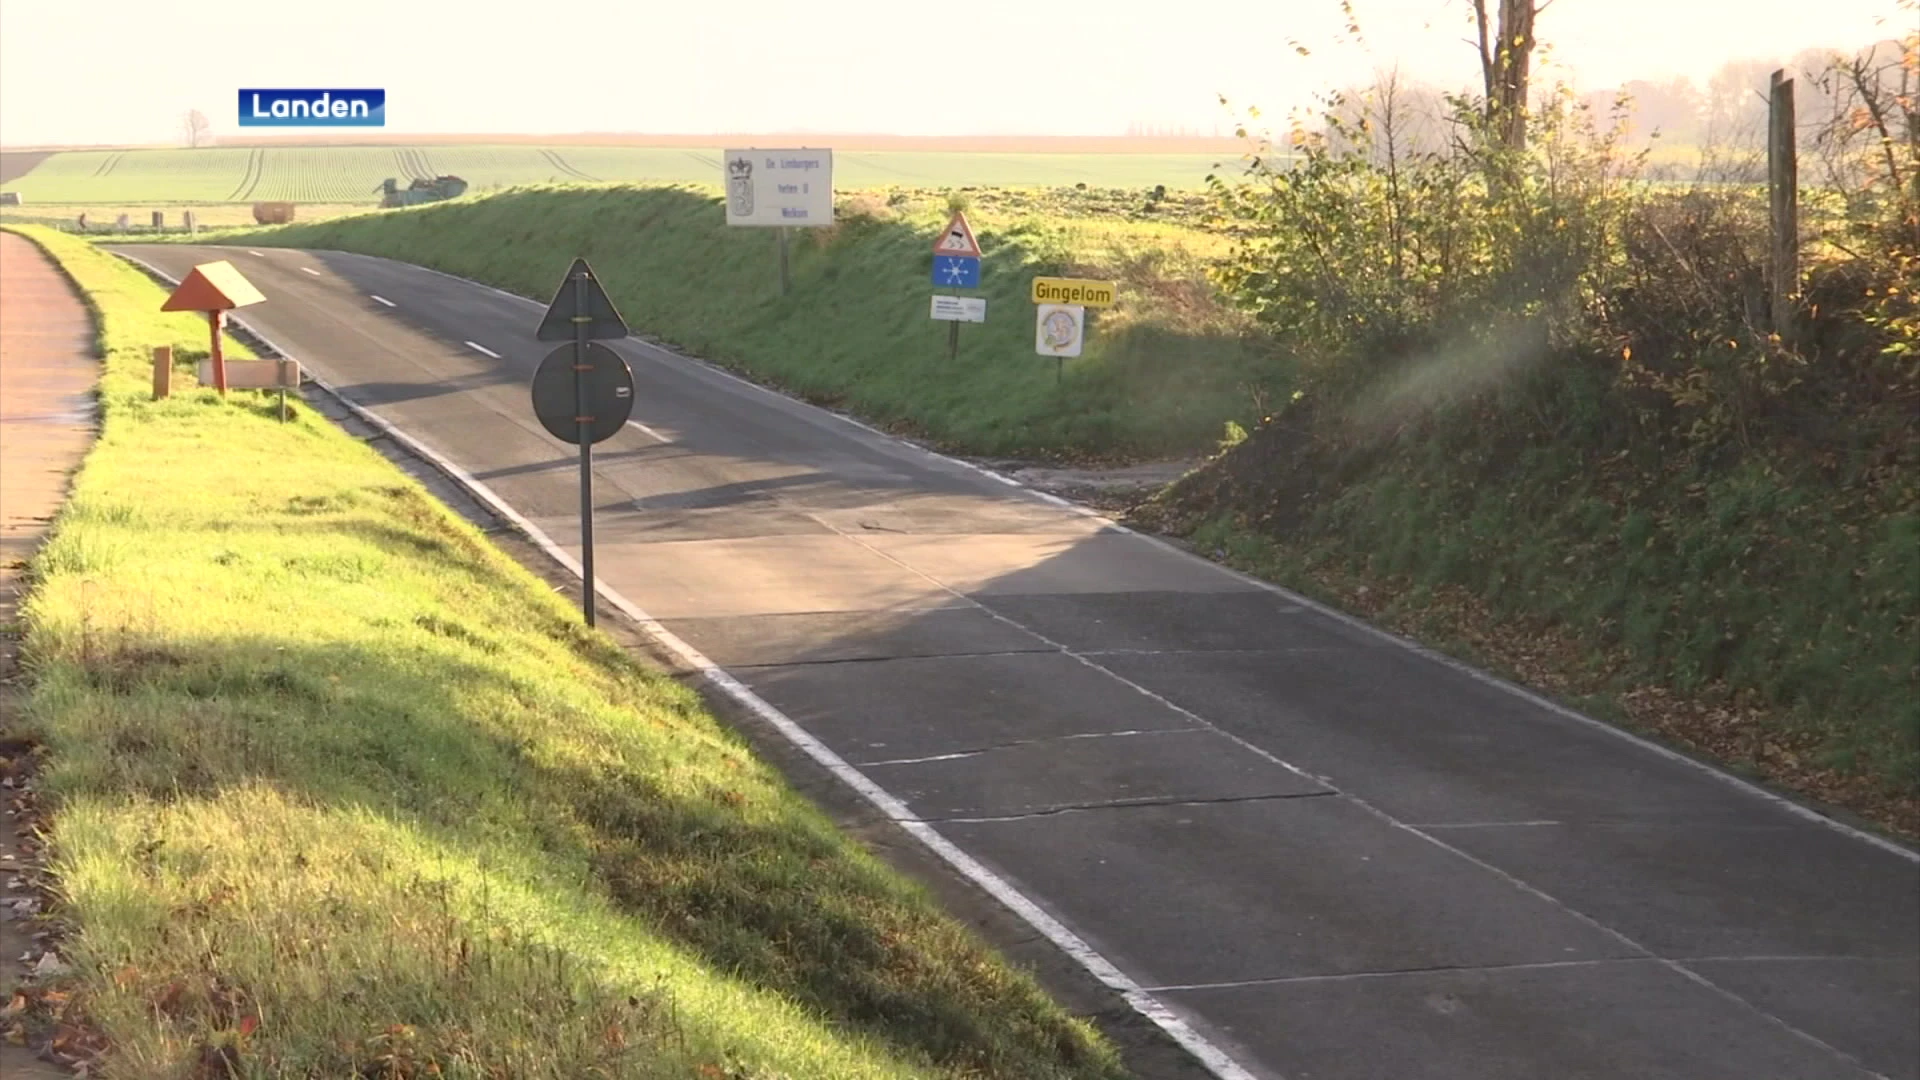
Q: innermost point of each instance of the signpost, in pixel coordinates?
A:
(281, 375)
(1060, 321)
(1058, 330)
(959, 309)
(956, 271)
(1054, 290)
(583, 392)
(956, 265)
(779, 188)
(215, 288)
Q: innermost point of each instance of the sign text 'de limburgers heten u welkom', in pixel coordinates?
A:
(779, 187)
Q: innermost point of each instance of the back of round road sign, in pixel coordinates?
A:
(609, 393)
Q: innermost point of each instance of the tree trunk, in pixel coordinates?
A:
(1506, 63)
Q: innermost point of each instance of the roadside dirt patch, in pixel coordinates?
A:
(1110, 489)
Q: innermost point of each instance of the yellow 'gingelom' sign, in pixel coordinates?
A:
(1056, 290)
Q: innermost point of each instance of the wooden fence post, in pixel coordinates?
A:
(162, 371)
(1783, 190)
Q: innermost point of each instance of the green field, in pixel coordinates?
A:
(341, 174)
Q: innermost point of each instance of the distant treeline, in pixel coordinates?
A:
(1726, 117)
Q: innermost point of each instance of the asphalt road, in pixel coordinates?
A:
(1332, 856)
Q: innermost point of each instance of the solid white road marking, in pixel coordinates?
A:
(482, 348)
(382, 299)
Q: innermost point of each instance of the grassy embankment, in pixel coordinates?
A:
(339, 789)
(1163, 370)
(1546, 421)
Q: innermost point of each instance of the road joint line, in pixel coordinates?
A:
(1145, 802)
(853, 660)
(1352, 976)
(1017, 743)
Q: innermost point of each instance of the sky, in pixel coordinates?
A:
(121, 71)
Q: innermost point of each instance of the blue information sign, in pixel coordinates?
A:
(956, 271)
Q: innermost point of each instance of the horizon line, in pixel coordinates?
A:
(716, 140)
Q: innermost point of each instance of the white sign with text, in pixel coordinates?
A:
(779, 187)
(960, 308)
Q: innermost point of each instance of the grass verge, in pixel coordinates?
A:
(1759, 613)
(1163, 370)
(341, 790)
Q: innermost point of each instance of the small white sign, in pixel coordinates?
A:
(778, 187)
(960, 308)
(1058, 329)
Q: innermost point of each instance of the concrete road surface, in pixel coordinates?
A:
(1313, 851)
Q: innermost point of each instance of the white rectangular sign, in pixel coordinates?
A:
(960, 308)
(1059, 329)
(778, 187)
(255, 374)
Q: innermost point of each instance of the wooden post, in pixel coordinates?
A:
(1783, 189)
(289, 378)
(214, 319)
(162, 371)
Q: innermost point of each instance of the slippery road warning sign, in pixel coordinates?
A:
(957, 239)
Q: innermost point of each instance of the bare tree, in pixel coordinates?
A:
(1506, 63)
(1869, 141)
(198, 128)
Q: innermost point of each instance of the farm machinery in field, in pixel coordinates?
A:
(420, 191)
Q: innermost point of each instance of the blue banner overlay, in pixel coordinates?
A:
(313, 108)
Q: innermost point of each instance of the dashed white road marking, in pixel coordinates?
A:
(262, 254)
(310, 270)
(648, 430)
(482, 348)
(383, 299)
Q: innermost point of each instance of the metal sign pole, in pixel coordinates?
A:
(786, 281)
(580, 369)
(953, 342)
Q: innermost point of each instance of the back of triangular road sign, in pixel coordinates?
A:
(602, 320)
(958, 239)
